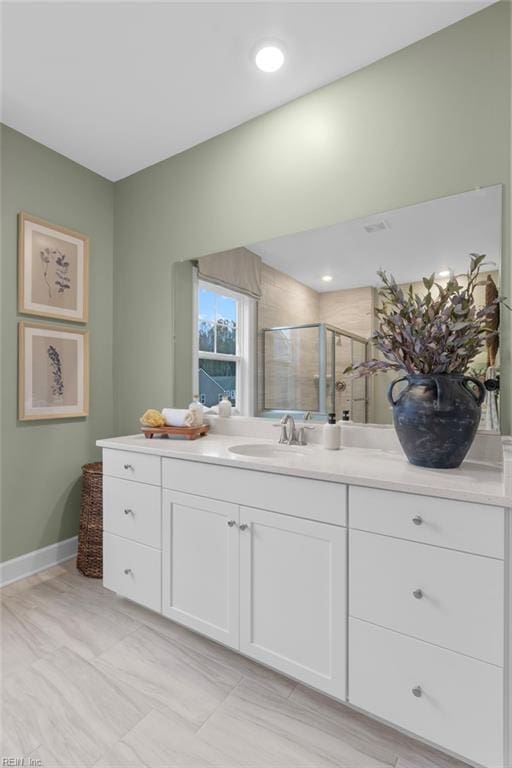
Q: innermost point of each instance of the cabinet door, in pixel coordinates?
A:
(293, 597)
(200, 565)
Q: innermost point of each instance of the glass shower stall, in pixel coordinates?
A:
(302, 370)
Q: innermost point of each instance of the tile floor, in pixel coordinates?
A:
(90, 679)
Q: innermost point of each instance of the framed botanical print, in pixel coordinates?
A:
(53, 372)
(53, 270)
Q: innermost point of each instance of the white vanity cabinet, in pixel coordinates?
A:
(132, 518)
(268, 582)
(395, 602)
(200, 565)
(293, 597)
(427, 618)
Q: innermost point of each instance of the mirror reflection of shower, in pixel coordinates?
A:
(303, 371)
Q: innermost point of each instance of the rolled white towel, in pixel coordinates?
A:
(178, 417)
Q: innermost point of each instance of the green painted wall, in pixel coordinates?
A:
(41, 460)
(430, 120)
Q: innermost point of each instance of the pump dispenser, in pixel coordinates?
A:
(196, 409)
(332, 434)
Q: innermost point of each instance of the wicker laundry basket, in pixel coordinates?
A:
(90, 537)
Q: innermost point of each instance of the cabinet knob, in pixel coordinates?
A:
(417, 520)
(127, 571)
(418, 594)
(416, 691)
(231, 523)
(128, 466)
(244, 527)
(129, 512)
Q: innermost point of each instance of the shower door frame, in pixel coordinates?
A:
(322, 364)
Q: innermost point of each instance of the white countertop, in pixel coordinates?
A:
(371, 467)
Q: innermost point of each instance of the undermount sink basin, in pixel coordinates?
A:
(266, 450)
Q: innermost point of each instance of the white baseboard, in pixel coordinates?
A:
(39, 560)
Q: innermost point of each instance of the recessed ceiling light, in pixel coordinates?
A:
(327, 278)
(269, 58)
(445, 273)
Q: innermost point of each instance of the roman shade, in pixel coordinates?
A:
(238, 269)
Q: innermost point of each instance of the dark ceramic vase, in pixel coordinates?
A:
(436, 417)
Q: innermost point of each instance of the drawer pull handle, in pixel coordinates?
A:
(244, 527)
(416, 691)
(127, 571)
(417, 520)
(231, 523)
(128, 466)
(418, 594)
(129, 512)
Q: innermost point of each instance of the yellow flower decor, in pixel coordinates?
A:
(152, 418)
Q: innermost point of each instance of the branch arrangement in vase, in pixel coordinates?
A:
(440, 332)
(432, 339)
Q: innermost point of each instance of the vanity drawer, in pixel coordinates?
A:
(461, 702)
(310, 499)
(460, 525)
(130, 465)
(132, 510)
(445, 597)
(133, 570)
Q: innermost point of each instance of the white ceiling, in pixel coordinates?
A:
(417, 241)
(119, 86)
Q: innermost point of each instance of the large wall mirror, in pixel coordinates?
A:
(274, 324)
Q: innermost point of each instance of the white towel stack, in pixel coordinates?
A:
(178, 417)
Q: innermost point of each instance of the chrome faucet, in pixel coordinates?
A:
(290, 434)
(301, 434)
(288, 430)
(283, 435)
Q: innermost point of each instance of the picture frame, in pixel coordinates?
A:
(53, 270)
(53, 372)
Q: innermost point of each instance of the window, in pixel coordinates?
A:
(223, 359)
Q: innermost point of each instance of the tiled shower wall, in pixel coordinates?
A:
(292, 360)
(352, 310)
(290, 374)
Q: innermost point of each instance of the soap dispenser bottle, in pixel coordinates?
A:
(225, 407)
(196, 409)
(332, 433)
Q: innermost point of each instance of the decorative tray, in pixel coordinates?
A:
(190, 433)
